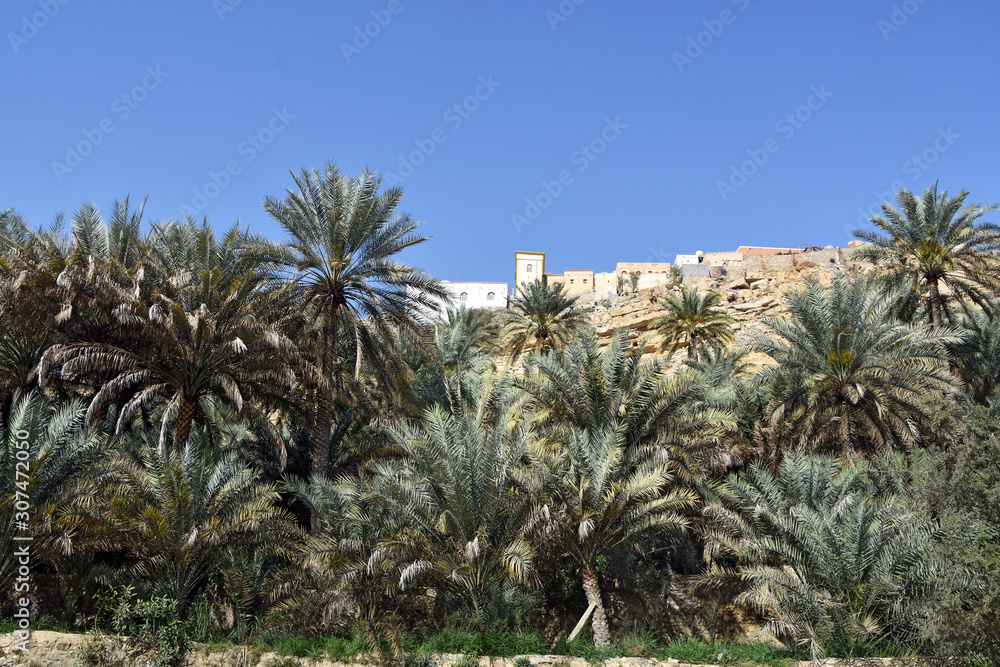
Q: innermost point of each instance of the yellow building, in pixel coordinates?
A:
(528, 266)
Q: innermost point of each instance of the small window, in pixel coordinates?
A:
(491, 296)
(584, 281)
(528, 270)
(624, 273)
(571, 281)
(463, 297)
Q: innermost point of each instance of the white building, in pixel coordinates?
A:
(474, 295)
(689, 259)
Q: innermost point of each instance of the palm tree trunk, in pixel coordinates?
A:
(183, 427)
(592, 587)
(693, 348)
(324, 402)
(935, 299)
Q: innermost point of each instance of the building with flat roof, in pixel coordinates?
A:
(471, 295)
(528, 266)
(574, 281)
(644, 268)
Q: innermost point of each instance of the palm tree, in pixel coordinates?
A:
(541, 318)
(206, 333)
(44, 450)
(691, 319)
(828, 549)
(463, 342)
(977, 356)
(345, 234)
(179, 515)
(925, 241)
(850, 375)
(621, 425)
(464, 501)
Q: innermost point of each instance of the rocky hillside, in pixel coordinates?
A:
(747, 297)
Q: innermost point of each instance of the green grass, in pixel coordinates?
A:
(684, 650)
(498, 642)
(502, 642)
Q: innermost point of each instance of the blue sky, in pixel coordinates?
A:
(597, 132)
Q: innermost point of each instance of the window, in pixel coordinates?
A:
(491, 296)
(528, 270)
(584, 281)
(571, 281)
(624, 273)
(463, 297)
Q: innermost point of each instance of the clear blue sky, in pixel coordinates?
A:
(894, 79)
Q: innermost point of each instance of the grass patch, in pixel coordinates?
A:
(336, 648)
(497, 642)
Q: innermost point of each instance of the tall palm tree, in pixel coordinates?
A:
(691, 319)
(345, 235)
(621, 426)
(206, 333)
(829, 550)
(464, 502)
(935, 240)
(593, 389)
(850, 375)
(541, 318)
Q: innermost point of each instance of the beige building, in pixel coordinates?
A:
(528, 266)
(643, 267)
(573, 282)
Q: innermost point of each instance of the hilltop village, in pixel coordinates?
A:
(591, 286)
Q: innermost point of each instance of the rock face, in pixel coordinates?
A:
(747, 297)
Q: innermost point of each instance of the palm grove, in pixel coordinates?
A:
(269, 437)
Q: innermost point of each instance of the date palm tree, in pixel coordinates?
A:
(206, 333)
(344, 236)
(621, 426)
(828, 549)
(541, 318)
(44, 450)
(465, 499)
(977, 356)
(850, 375)
(691, 319)
(935, 240)
(182, 514)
